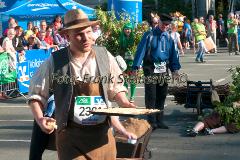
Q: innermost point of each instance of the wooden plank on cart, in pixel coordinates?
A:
(124, 111)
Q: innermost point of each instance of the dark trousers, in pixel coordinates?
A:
(233, 39)
(39, 142)
(155, 96)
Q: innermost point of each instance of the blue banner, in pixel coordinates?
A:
(133, 8)
(27, 65)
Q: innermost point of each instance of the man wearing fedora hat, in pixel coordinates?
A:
(69, 74)
(157, 51)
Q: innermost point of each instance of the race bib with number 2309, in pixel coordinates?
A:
(82, 107)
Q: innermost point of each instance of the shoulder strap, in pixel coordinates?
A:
(150, 41)
(103, 66)
(60, 58)
(166, 34)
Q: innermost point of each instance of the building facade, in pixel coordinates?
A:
(203, 8)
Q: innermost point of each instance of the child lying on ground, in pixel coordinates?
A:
(214, 124)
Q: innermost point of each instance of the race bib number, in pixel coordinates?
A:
(160, 67)
(82, 107)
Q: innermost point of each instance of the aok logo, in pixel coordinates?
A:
(24, 73)
(83, 100)
(98, 100)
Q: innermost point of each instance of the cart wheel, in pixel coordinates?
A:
(199, 102)
(147, 154)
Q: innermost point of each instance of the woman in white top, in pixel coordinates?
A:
(176, 37)
(8, 47)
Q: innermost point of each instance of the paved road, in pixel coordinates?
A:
(16, 122)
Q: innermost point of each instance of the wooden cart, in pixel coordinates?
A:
(199, 95)
(134, 151)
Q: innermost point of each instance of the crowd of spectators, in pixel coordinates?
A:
(43, 37)
(46, 36)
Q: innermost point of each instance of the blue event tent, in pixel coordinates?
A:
(46, 9)
(6, 5)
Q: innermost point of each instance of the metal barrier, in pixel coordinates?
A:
(9, 90)
(16, 83)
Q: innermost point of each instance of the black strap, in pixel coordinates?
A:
(150, 43)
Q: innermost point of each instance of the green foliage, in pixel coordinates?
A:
(111, 29)
(226, 110)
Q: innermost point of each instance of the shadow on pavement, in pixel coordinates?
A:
(18, 100)
(181, 121)
(17, 127)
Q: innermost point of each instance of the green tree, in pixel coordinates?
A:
(111, 28)
(226, 109)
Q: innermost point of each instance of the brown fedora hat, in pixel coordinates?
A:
(76, 18)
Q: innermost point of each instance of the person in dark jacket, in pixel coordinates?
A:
(41, 140)
(158, 54)
(18, 41)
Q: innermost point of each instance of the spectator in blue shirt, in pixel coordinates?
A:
(187, 34)
(221, 34)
